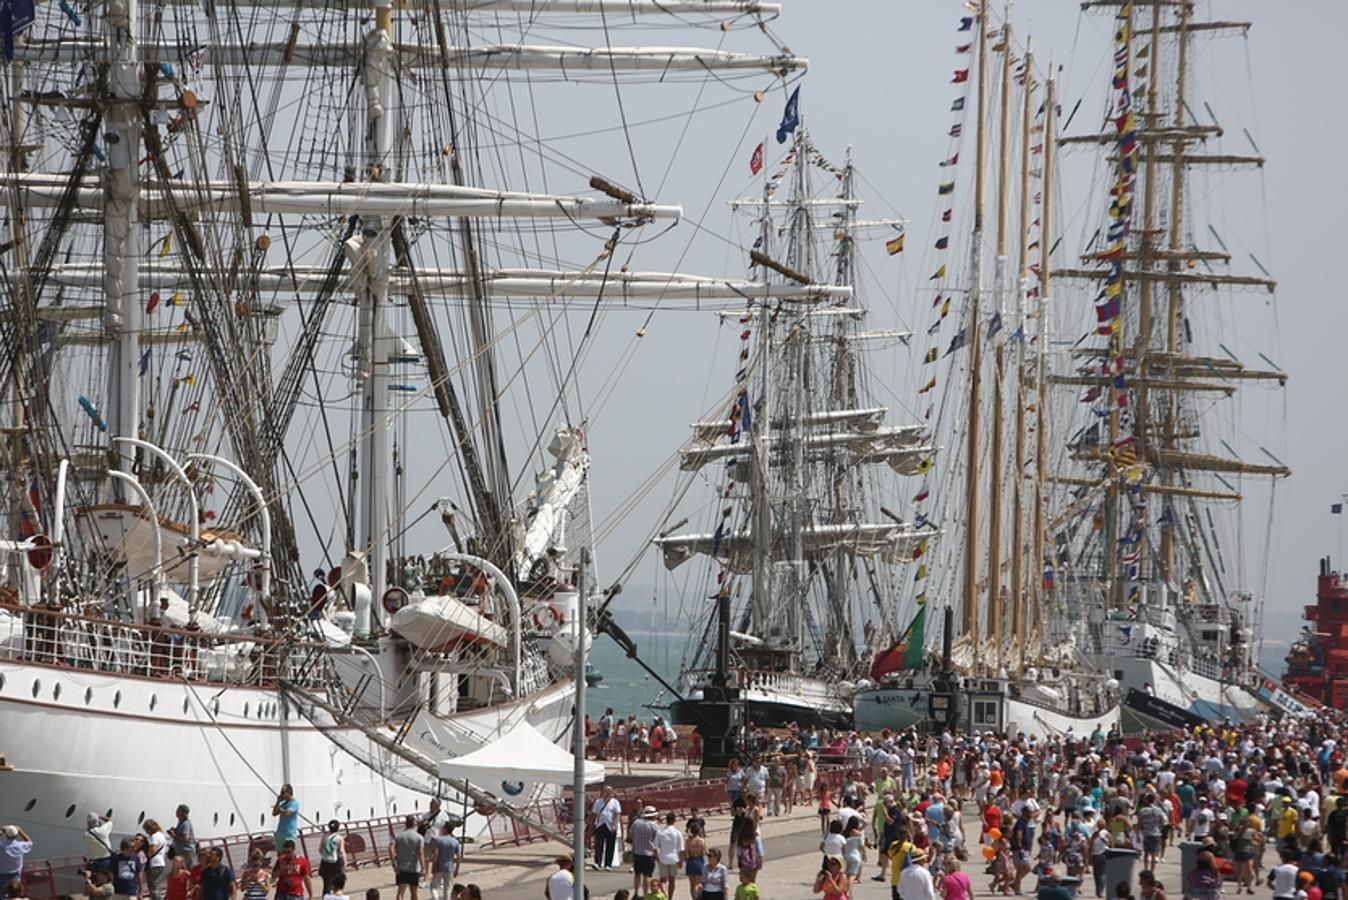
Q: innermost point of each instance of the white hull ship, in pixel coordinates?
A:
(238, 248)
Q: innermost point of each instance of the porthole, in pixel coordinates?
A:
(70, 811)
(140, 818)
(371, 812)
(185, 702)
(109, 812)
(215, 819)
(2, 682)
(88, 696)
(215, 708)
(56, 691)
(245, 710)
(262, 820)
(348, 815)
(395, 807)
(116, 699)
(29, 806)
(37, 686)
(231, 819)
(154, 700)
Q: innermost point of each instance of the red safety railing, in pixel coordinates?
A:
(370, 843)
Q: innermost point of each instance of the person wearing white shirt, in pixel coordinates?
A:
(669, 854)
(605, 810)
(156, 859)
(561, 884)
(1283, 879)
(915, 880)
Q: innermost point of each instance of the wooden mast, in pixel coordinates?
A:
(971, 547)
(1022, 285)
(1041, 354)
(1145, 254)
(1175, 299)
(1112, 575)
(995, 487)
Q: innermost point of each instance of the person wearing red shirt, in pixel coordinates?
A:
(291, 874)
(1235, 792)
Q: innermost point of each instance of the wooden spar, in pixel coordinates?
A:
(1018, 598)
(995, 487)
(1176, 298)
(971, 546)
(1041, 356)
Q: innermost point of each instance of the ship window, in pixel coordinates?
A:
(30, 805)
(88, 696)
(185, 703)
(245, 710)
(140, 818)
(154, 700)
(231, 819)
(2, 682)
(117, 699)
(37, 686)
(70, 811)
(56, 691)
(985, 712)
(215, 819)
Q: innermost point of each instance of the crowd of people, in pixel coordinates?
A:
(1257, 806)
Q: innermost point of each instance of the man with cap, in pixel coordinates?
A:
(641, 837)
(561, 884)
(291, 874)
(915, 879)
(14, 846)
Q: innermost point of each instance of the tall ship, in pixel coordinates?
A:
(801, 554)
(987, 647)
(298, 466)
(1153, 539)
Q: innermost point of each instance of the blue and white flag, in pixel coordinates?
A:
(790, 116)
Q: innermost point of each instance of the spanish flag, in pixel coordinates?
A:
(894, 245)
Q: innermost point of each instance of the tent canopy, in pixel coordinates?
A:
(520, 756)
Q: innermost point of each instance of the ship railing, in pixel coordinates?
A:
(58, 638)
(756, 678)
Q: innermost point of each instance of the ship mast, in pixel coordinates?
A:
(374, 341)
(1042, 332)
(1161, 366)
(972, 551)
(1018, 598)
(121, 221)
(995, 610)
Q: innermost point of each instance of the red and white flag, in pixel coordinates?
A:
(756, 161)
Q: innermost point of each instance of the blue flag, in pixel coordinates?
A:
(1336, 508)
(790, 116)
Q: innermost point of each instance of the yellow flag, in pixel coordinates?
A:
(167, 246)
(940, 273)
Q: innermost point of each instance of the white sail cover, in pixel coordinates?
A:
(545, 520)
(899, 446)
(521, 754)
(890, 543)
(434, 622)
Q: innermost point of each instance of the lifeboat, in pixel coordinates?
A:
(440, 623)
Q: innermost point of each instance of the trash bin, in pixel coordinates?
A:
(1188, 861)
(1119, 864)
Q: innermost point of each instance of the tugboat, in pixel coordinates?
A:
(1317, 664)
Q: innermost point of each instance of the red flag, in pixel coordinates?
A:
(961, 75)
(756, 161)
(945, 216)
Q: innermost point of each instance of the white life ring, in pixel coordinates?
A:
(548, 614)
(395, 598)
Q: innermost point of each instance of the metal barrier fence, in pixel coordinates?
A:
(370, 843)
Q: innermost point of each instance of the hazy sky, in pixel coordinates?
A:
(878, 80)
